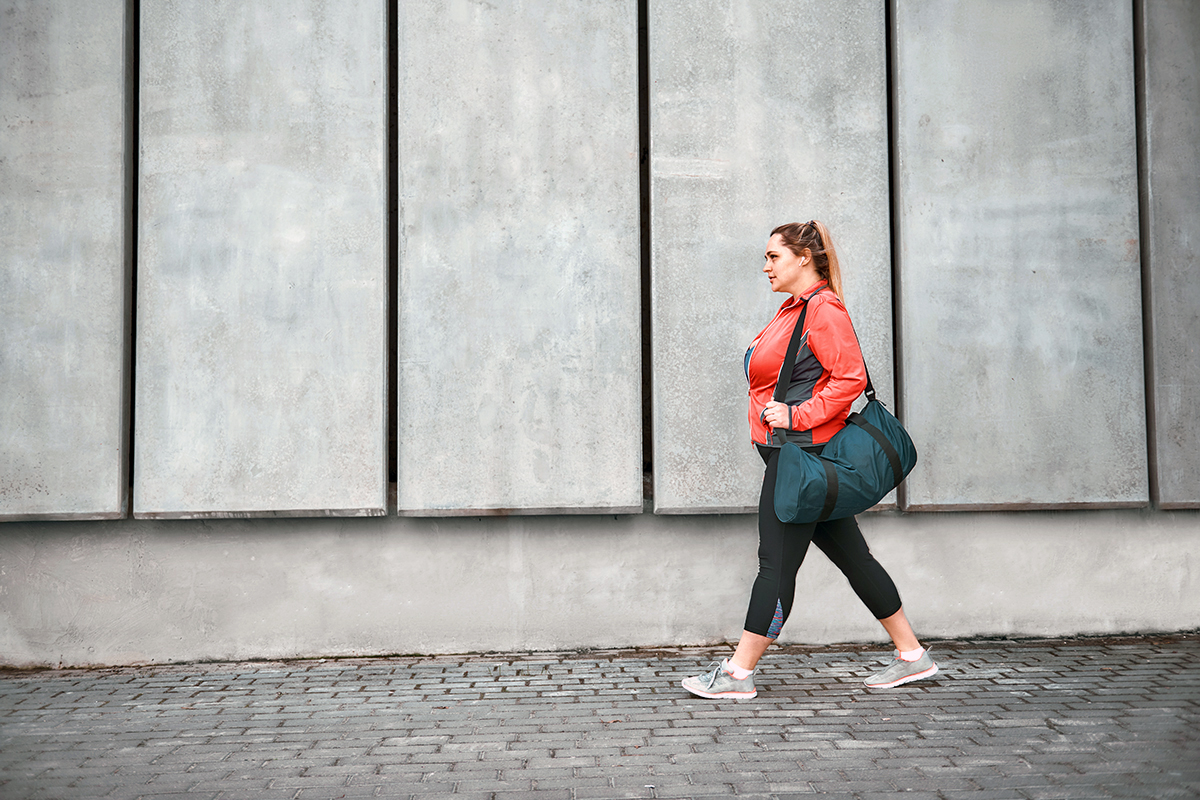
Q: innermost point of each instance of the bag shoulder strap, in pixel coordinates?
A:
(789, 360)
(793, 350)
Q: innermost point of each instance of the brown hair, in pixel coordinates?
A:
(814, 237)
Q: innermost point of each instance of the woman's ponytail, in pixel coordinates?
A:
(832, 272)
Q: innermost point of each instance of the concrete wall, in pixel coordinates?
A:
(63, 375)
(1171, 227)
(519, 377)
(754, 122)
(1017, 218)
(262, 286)
(141, 591)
(262, 275)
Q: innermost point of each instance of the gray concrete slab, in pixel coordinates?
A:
(1171, 181)
(760, 113)
(137, 591)
(1020, 296)
(519, 378)
(1066, 718)
(63, 273)
(262, 279)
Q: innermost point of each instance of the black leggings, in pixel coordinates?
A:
(781, 549)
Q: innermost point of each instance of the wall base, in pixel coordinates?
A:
(147, 591)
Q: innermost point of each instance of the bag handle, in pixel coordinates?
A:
(789, 363)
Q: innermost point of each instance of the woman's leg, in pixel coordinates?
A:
(843, 542)
(750, 649)
(901, 632)
(781, 550)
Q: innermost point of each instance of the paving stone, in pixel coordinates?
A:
(1005, 720)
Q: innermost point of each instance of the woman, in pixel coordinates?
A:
(829, 375)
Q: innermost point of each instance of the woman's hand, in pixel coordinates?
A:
(777, 415)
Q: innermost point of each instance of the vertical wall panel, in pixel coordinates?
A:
(1021, 332)
(62, 263)
(1171, 180)
(761, 113)
(262, 292)
(519, 321)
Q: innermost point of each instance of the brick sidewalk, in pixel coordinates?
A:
(1042, 719)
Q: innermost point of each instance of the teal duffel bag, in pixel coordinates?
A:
(857, 468)
(862, 463)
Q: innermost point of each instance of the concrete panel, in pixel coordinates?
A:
(262, 284)
(764, 114)
(63, 271)
(519, 374)
(134, 591)
(1020, 331)
(1171, 182)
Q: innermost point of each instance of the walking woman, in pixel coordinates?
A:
(829, 375)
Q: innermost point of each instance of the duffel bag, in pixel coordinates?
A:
(857, 467)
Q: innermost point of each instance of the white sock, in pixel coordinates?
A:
(736, 671)
(912, 655)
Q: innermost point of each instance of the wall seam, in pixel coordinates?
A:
(391, 146)
(643, 56)
(132, 161)
(1145, 249)
(889, 45)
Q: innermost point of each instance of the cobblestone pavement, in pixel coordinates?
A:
(1031, 719)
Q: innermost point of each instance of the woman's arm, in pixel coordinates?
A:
(831, 339)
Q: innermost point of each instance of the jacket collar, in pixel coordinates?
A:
(807, 294)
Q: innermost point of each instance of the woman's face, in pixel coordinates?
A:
(787, 271)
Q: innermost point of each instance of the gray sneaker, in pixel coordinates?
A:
(901, 672)
(718, 684)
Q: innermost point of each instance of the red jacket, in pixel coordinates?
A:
(828, 377)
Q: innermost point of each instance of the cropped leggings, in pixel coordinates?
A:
(781, 550)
